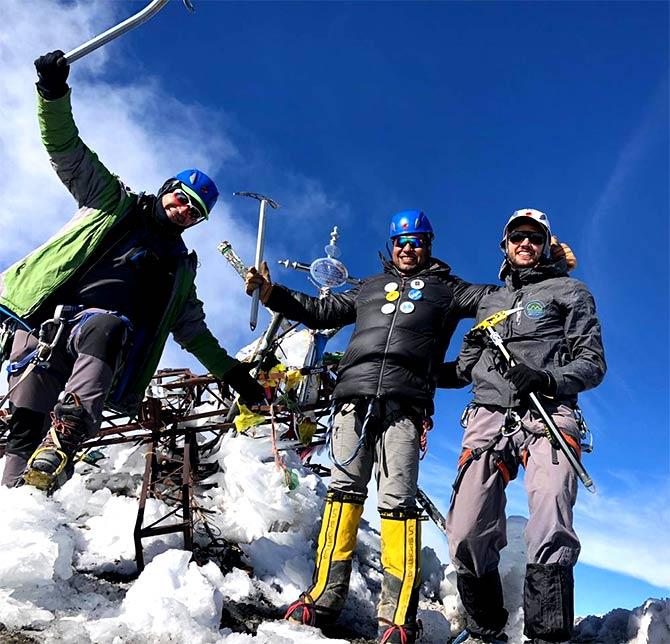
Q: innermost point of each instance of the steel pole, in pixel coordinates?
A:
(123, 27)
(260, 246)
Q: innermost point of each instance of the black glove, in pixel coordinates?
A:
(52, 71)
(250, 390)
(527, 380)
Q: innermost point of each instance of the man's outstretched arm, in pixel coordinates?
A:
(79, 168)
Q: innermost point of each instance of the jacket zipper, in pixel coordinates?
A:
(388, 338)
(510, 332)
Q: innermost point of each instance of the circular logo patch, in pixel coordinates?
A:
(407, 307)
(392, 296)
(415, 294)
(391, 286)
(417, 283)
(534, 309)
(388, 308)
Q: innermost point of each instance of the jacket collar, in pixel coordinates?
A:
(518, 277)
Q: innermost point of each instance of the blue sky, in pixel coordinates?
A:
(347, 112)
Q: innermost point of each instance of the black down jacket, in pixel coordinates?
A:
(395, 354)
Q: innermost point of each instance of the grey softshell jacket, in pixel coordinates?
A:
(557, 331)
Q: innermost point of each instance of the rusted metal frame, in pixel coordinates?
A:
(146, 482)
(180, 494)
(190, 450)
(152, 481)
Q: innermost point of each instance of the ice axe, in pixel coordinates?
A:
(487, 328)
(118, 30)
(260, 245)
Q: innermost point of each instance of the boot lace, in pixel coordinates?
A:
(308, 616)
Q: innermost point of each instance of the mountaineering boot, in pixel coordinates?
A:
(324, 601)
(26, 431)
(52, 463)
(548, 603)
(482, 598)
(14, 468)
(466, 637)
(401, 561)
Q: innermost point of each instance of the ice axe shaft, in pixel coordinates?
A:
(118, 30)
(260, 246)
(431, 510)
(487, 327)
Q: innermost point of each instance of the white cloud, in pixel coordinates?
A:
(627, 532)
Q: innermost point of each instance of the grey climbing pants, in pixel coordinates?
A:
(392, 445)
(476, 520)
(83, 363)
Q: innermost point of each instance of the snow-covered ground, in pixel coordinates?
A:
(58, 554)
(67, 563)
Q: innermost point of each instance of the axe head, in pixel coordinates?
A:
(494, 320)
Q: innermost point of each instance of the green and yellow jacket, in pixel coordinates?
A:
(30, 287)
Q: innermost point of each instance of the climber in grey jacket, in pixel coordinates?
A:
(555, 338)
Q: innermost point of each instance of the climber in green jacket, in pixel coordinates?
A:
(122, 279)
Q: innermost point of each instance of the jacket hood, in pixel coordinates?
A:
(153, 205)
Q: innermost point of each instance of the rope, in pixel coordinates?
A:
(359, 444)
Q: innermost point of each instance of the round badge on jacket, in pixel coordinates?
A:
(417, 283)
(392, 296)
(391, 286)
(415, 294)
(388, 308)
(407, 307)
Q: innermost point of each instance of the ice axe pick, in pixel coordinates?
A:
(260, 245)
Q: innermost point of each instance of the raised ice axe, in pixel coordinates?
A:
(118, 30)
(260, 245)
(487, 328)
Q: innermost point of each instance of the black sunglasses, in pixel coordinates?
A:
(517, 236)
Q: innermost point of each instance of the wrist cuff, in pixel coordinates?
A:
(52, 93)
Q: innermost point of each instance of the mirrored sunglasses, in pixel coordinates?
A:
(413, 241)
(184, 199)
(517, 236)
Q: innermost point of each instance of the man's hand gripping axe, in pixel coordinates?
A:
(260, 245)
(487, 329)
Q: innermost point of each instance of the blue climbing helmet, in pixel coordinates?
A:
(199, 186)
(410, 222)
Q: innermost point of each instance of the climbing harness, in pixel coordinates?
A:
(49, 335)
(562, 442)
(585, 435)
